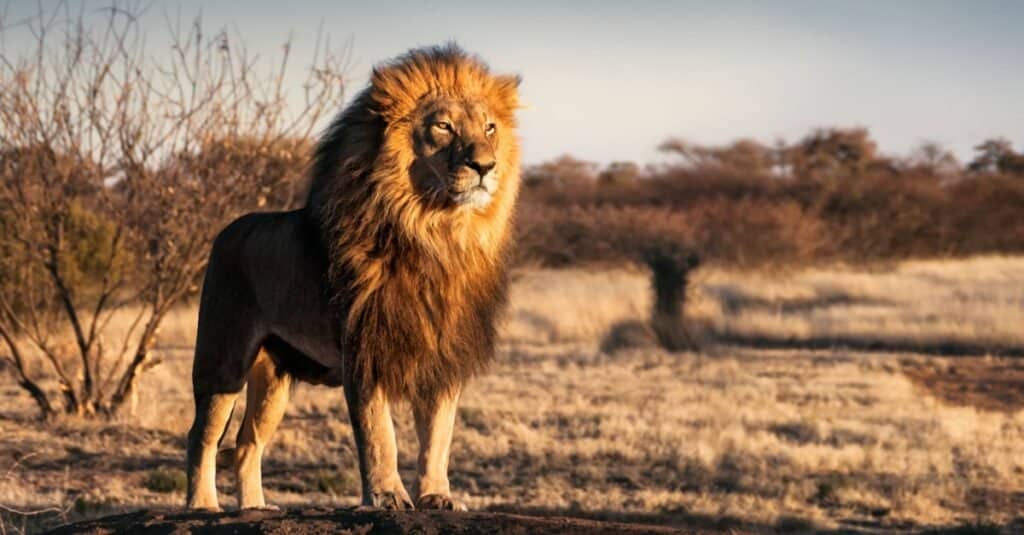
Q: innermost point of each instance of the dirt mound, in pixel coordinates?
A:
(317, 520)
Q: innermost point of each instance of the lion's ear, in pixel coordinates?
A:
(507, 87)
(381, 86)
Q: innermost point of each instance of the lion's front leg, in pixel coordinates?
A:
(435, 423)
(374, 432)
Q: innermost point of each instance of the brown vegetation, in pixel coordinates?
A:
(829, 197)
(115, 172)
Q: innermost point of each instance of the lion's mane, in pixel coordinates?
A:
(419, 285)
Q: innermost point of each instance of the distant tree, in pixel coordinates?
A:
(831, 153)
(563, 172)
(694, 155)
(997, 156)
(619, 173)
(745, 156)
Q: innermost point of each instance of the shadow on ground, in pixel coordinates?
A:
(986, 383)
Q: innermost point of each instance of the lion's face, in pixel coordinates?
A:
(456, 143)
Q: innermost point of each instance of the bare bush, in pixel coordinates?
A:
(117, 169)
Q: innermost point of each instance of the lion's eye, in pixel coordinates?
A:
(443, 125)
(491, 129)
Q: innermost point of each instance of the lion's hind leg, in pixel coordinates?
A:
(224, 356)
(266, 401)
(213, 411)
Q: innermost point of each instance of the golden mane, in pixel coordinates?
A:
(420, 284)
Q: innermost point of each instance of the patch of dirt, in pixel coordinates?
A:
(348, 521)
(988, 383)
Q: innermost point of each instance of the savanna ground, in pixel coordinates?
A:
(883, 399)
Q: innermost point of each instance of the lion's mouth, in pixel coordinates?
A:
(475, 197)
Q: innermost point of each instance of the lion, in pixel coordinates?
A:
(388, 282)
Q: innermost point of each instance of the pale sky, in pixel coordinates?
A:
(610, 80)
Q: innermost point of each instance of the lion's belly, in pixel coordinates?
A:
(299, 362)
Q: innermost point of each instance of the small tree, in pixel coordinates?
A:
(116, 173)
(997, 156)
(663, 240)
(670, 274)
(833, 153)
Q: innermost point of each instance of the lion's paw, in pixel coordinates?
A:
(440, 502)
(206, 509)
(265, 507)
(391, 501)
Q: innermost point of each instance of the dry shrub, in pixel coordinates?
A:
(165, 480)
(752, 233)
(267, 173)
(118, 168)
(986, 215)
(883, 217)
(557, 237)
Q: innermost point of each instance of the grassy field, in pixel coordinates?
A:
(784, 421)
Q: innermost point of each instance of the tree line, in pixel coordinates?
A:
(831, 196)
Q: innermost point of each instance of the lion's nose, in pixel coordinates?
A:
(482, 167)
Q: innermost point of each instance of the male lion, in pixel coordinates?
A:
(387, 282)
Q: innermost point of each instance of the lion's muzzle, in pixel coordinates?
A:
(473, 189)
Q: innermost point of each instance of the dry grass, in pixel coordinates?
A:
(548, 306)
(766, 439)
(922, 304)
(973, 305)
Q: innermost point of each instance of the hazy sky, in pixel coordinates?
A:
(610, 80)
